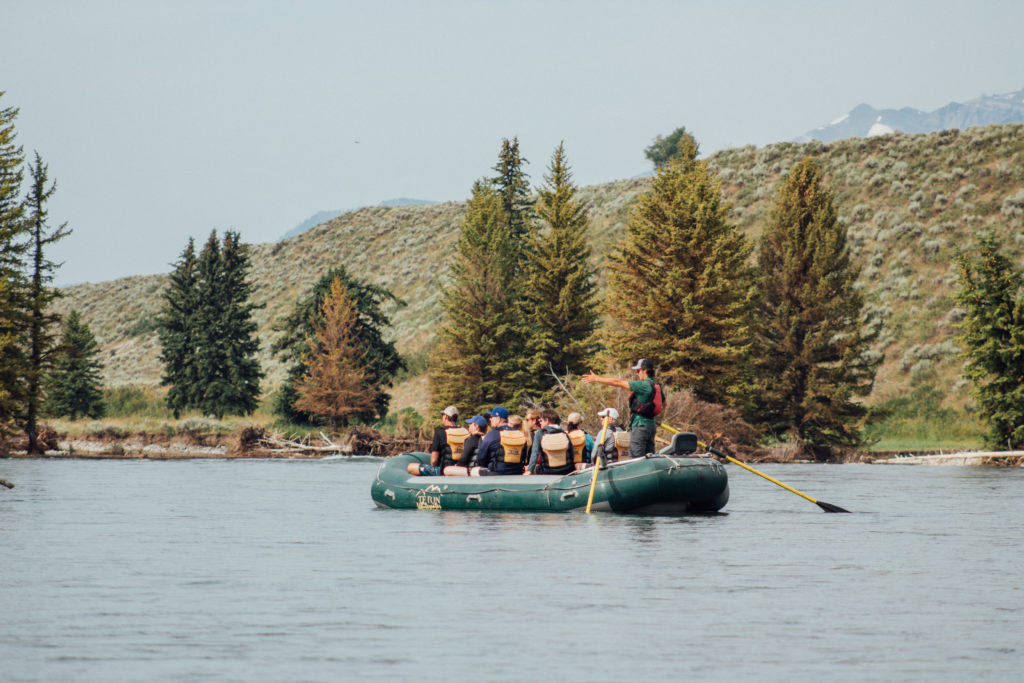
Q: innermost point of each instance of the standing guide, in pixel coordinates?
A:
(645, 402)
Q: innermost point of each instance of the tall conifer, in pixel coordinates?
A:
(480, 357)
(813, 353)
(513, 187)
(382, 360)
(992, 337)
(679, 285)
(207, 333)
(334, 386)
(75, 384)
(560, 288)
(40, 322)
(178, 331)
(227, 340)
(13, 246)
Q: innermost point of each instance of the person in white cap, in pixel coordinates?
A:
(440, 451)
(607, 449)
(644, 390)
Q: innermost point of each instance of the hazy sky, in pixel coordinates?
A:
(162, 120)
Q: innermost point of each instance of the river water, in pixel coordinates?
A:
(278, 570)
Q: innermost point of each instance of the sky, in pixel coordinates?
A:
(162, 121)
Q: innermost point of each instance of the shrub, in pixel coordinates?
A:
(133, 401)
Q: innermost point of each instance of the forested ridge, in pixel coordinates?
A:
(909, 202)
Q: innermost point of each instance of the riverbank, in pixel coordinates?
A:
(255, 441)
(249, 442)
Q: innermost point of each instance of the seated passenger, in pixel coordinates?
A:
(552, 450)
(582, 443)
(441, 446)
(517, 422)
(531, 425)
(607, 449)
(501, 448)
(470, 448)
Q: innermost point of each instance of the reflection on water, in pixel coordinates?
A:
(285, 570)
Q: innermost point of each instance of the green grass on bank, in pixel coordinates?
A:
(133, 410)
(919, 422)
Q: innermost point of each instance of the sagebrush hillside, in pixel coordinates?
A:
(910, 201)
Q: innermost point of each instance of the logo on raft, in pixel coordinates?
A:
(427, 502)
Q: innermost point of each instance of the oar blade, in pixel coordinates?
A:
(829, 507)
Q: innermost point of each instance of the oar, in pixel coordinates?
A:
(827, 507)
(597, 462)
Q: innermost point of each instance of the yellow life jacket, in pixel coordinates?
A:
(579, 444)
(556, 447)
(512, 442)
(456, 437)
(622, 444)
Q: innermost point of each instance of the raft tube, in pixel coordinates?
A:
(657, 484)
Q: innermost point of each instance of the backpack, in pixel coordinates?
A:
(652, 408)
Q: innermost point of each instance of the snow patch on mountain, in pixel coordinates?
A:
(866, 121)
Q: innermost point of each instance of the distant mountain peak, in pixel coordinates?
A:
(324, 216)
(866, 121)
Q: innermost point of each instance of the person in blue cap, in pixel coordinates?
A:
(492, 458)
(470, 448)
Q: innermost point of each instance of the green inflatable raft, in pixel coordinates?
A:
(657, 484)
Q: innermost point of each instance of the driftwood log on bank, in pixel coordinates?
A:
(991, 458)
(357, 441)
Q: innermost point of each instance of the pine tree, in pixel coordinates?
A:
(382, 359)
(561, 290)
(992, 337)
(513, 187)
(227, 343)
(75, 387)
(813, 352)
(210, 351)
(480, 359)
(12, 363)
(40, 322)
(207, 334)
(334, 386)
(178, 333)
(13, 247)
(679, 285)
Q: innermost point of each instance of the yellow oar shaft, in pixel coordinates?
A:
(748, 467)
(597, 462)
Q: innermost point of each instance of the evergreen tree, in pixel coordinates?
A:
(12, 364)
(560, 289)
(335, 385)
(382, 359)
(679, 285)
(992, 337)
(513, 187)
(75, 387)
(39, 323)
(813, 352)
(13, 246)
(226, 333)
(480, 359)
(664, 149)
(178, 330)
(207, 334)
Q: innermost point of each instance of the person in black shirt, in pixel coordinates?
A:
(440, 451)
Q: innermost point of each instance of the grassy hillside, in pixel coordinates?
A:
(909, 201)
